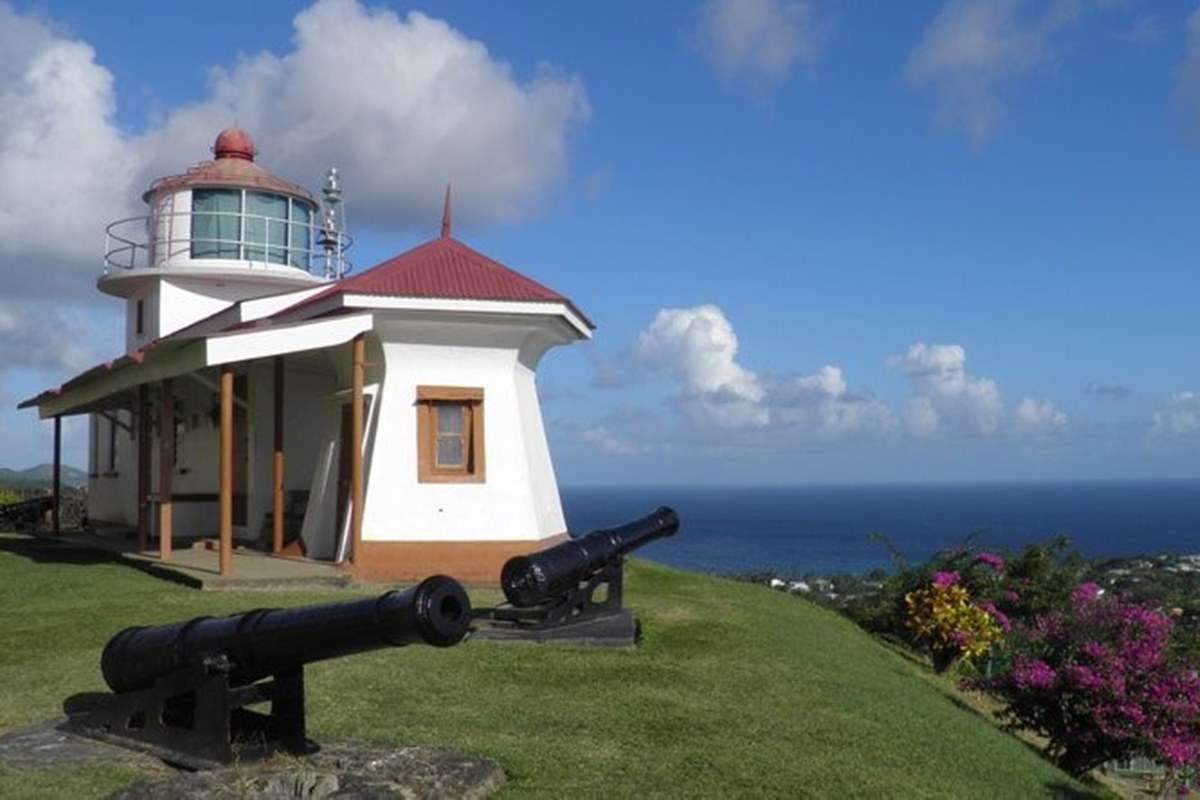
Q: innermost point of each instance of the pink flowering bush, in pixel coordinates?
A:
(990, 560)
(1098, 682)
(1006, 586)
(946, 579)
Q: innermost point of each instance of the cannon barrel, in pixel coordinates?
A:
(533, 579)
(267, 641)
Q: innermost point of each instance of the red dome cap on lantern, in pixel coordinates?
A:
(234, 143)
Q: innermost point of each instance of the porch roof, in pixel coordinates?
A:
(180, 354)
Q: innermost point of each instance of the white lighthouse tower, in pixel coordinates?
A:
(223, 231)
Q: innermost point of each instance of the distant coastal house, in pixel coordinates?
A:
(387, 420)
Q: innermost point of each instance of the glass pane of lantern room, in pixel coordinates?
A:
(216, 224)
(301, 241)
(266, 224)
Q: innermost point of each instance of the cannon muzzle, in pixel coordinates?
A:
(259, 643)
(533, 579)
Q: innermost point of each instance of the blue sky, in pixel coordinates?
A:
(823, 241)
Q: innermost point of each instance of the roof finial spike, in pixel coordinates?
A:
(446, 218)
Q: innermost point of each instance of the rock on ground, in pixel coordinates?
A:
(342, 770)
(43, 746)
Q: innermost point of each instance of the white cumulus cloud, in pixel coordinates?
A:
(1039, 417)
(759, 41)
(822, 403)
(725, 403)
(606, 441)
(401, 104)
(1179, 417)
(945, 395)
(974, 49)
(698, 347)
(65, 170)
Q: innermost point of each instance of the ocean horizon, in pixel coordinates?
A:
(830, 528)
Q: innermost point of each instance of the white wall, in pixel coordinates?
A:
(170, 304)
(519, 500)
(112, 494)
(547, 505)
(198, 455)
(112, 490)
(173, 228)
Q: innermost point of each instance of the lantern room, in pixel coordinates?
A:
(223, 231)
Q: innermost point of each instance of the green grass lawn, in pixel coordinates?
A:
(735, 691)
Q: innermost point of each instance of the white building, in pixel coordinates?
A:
(387, 420)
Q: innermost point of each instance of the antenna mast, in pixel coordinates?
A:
(333, 226)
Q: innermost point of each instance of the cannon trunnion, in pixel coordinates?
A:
(573, 591)
(182, 691)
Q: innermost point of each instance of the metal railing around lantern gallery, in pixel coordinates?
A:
(157, 241)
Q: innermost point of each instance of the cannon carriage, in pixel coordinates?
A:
(573, 592)
(183, 691)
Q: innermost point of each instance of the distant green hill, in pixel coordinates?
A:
(40, 477)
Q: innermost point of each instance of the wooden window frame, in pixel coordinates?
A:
(429, 398)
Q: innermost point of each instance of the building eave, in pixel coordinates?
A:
(282, 339)
(246, 311)
(171, 357)
(579, 325)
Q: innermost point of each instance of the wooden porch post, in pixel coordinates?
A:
(56, 501)
(166, 469)
(225, 477)
(277, 467)
(356, 458)
(143, 466)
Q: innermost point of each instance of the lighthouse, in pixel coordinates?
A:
(224, 230)
(386, 421)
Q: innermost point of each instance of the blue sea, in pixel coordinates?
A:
(825, 529)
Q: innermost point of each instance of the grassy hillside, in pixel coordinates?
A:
(736, 691)
(40, 477)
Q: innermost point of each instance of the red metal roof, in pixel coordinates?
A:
(444, 268)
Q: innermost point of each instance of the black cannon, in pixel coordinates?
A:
(181, 690)
(573, 591)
